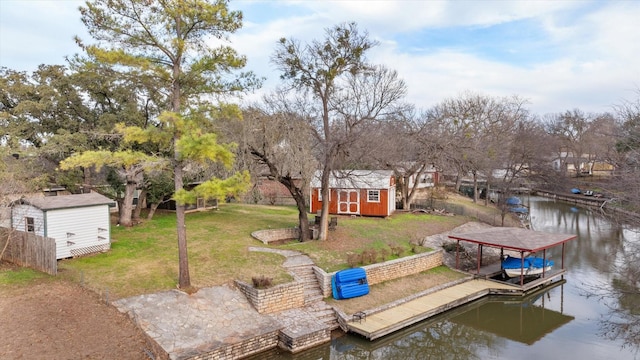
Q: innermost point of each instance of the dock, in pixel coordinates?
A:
(382, 323)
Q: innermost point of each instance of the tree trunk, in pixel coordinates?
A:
(301, 204)
(142, 203)
(127, 204)
(413, 191)
(303, 219)
(404, 189)
(184, 279)
(486, 195)
(152, 210)
(326, 197)
(475, 187)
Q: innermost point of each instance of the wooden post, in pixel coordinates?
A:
(544, 261)
(479, 260)
(521, 268)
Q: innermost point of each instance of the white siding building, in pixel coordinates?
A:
(79, 223)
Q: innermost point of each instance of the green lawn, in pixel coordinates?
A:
(144, 258)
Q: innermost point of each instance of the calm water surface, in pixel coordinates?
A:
(556, 323)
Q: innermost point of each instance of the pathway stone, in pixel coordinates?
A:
(210, 318)
(185, 325)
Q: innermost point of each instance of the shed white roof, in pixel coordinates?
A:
(66, 201)
(356, 179)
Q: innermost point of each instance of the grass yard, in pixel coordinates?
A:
(380, 236)
(144, 258)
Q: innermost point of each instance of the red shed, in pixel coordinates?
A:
(356, 192)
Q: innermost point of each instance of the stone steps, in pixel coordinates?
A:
(306, 275)
(325, 314)
(313, 296)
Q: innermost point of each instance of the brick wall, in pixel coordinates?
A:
(271, 235)
(240, 349)
(388, 270)
(277, 298)
(393, 269)
(296, 344)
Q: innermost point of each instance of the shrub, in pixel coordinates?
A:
(415, 244)
(369, 256)
(384, 254)
(262, 282)
(451, 247)
(396, 249)
(353, 259)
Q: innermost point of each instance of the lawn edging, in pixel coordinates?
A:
(275, 235)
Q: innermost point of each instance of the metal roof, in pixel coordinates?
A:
(515, 238)
(356, 179)
(66, 201)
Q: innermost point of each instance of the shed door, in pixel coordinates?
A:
(348, 202)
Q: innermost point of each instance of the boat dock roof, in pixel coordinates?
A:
(518, 239)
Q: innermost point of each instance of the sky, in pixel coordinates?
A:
(558, 55)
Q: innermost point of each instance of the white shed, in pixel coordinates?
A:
(79, 224)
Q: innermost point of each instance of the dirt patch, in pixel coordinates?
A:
(59, 320)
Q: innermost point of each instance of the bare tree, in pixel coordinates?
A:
(576, 135)
(345, 92)
(626, 184)
(406, 145)
(622, 294)
(475, 132)
(281, 141)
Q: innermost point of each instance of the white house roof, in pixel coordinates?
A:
(356, 179)
(66, 201)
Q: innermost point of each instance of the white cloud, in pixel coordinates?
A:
(37, 32)
(590, 48)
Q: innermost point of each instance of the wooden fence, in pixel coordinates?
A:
(30, 250)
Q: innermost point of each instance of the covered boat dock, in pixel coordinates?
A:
(376, 323)
(523, 241)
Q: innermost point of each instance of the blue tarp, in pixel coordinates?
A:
(514, 200)
(529, 262)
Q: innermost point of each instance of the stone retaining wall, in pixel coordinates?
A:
(274, 299)
(241, 349)
(388, 270)
(296, 344)
(273, 235)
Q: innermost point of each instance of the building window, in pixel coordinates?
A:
(320, 195)
(30, 224)
(373, 195)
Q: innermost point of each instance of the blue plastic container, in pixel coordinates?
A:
(350, 283)
(350, 275)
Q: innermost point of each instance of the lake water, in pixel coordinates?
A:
(561, 322)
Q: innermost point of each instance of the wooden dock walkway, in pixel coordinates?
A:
(379, 324)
